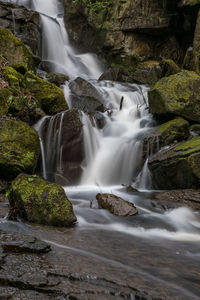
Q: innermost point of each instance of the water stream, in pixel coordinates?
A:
(156, 241)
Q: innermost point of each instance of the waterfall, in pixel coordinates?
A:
(113, 154)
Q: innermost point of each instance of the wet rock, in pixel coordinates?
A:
(64, 144)
(4, 206)
(177, 167)
(24, 23)
(173, 131)
(14, 51)
(19, 148)
(116, 205)
(39, 201)
(189, 198)
(57, 79)
(50, 97)
(195, 129)
(85, 96)
(176, 95)
(115, 74)
(16, 243)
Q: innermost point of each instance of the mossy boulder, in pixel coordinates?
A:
(174, 130)
(14, 78)
(169, 67)
(21, 67)
(19, 148)
(14, 51)
(50, 97)
(148, 72)
(39, 201)
(5, 95)
(177, 95)
(177, 167)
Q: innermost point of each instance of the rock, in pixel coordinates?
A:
(195, 129)
(27, 244)
(116, 205)
(50, 97)
(85, 96)
(24, 23)
(176, 95)
(19, 148)
(57, 79)
(189, 2)
(40, 201)
(14, 78)
(68, 138)
(115, 74)
(21, 68)
(189, 198)
(177, 167)
(174, 130)
(5, 95)
(14, 51)
(148, 72)
(169, 67)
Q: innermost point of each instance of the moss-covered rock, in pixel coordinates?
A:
(174, 130)
(21, 67)
(50, 97)
(148, 72)
(14, 51)
(39, 201)
(14, 78)
(5, 95)
(19, 148)
(177, 94)
(169, 67)
(177, 167)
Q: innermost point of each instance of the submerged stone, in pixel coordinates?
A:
(19, 148)
(116, 205)
(40, 201)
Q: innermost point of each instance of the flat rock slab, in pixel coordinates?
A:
(116, 205)
(190, 198)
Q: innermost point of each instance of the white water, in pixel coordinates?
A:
(113, 154)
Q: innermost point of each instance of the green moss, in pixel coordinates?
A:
(14, 51)
(5, 97)
(21, 67)
(14, 78)
(40, 201)
(189, 147)
(50, 97)
(19, 148)
(177, 94)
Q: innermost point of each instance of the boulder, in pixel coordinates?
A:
(24, 23)
(174, 130)
(116, 205)
(169, 67)
(14, 51)
(177, 167)
(177, 95)
(85, 96)
(115, 74)
(49, 96)
(39, 201)
(148, 72)
(19, 148)
(57, 79)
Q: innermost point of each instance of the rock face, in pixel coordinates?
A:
(19, 148)
(177, 167)
(127, 33)
(116, 205)
(177, 95)
(23, 23)
(14, 51)
(39, 201)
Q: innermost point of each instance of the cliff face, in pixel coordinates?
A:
(130, 32)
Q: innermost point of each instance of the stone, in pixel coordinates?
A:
(115, 74)
(19, 148)
(116, 205)
(57, 79)
(177, 167)
(177, 95)
(50, 97)
(175, 130)
(14, 51)
(24, 24)
(40, 201)
(169, 67)
(148, 72)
